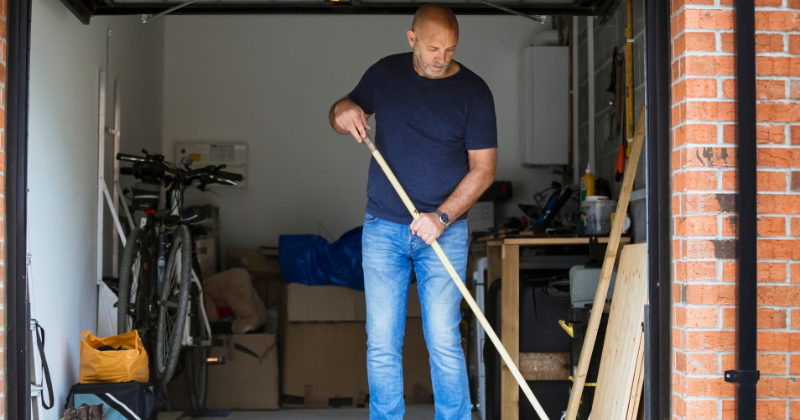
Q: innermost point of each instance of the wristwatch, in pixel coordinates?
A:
(443, 218)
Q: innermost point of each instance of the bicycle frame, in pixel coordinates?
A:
(186, 338)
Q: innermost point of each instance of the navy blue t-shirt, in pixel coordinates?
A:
(424, 129)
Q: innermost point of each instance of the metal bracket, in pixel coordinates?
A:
(742, 376)
(537, 18)
(149, 18)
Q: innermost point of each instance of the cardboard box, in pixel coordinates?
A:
(334, 303)
(243, 382)
(325, 365)
(259, 266)
(269, 291)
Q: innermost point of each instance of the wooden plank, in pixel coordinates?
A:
(608, 266)
(638, 382)
(558, 241)
(623, 347)
(509, 390)
(494, 264)
(544, 366)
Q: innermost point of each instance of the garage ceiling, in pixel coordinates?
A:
(85, 9)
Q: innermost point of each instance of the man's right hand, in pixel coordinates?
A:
(348, 117)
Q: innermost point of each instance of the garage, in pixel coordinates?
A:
(186, 209)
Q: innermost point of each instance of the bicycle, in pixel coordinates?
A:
(160, 287)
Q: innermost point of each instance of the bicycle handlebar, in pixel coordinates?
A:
(206, 175)
(230, 176)
(131, 158)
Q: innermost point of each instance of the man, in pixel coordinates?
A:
(438, 134)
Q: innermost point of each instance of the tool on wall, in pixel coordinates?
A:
(619, 168)
(629, 129)
(459, 283)
(616, 88)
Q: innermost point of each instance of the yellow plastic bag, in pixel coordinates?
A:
(113, 365)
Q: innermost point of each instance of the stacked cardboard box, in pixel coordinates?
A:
(323, 342)
(322, 348)
(244, 382)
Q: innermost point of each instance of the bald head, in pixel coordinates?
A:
(437, 15)
(433, 36)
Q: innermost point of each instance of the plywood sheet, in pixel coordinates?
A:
(620, 366)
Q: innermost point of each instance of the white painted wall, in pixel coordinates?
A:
(270, 80)
(66, 58)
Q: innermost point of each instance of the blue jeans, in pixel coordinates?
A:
(390, 252)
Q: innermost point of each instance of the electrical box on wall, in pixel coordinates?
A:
(545, 106)
(231, 154)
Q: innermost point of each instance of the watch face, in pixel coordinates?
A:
(444, 218)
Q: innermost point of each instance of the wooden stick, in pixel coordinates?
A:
(512, 366)
(608, 266)
(638, 382)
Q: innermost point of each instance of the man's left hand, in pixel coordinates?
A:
(428, 227)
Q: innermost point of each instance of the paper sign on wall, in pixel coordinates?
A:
(231, 154)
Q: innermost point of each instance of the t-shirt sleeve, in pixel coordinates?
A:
(481, 129)
(364, 91)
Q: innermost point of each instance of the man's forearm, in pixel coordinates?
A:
(468, 191)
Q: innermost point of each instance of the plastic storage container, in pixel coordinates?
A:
(597, 214)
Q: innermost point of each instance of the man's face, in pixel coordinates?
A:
(434, 47)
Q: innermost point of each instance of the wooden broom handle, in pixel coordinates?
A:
(459, 283)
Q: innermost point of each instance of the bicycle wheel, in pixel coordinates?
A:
(194, 367)
(132, 274)
(173, 304)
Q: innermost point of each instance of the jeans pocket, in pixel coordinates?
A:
(369, 219)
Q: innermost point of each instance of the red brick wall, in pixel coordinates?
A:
(704, 207)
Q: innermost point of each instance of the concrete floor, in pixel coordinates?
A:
(413, 412)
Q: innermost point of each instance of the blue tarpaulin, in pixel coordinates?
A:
(313, 261)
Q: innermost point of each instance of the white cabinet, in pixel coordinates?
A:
(545, 106)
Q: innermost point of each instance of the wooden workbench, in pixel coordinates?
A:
(503, 262)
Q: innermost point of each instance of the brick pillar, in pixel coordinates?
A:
(704, 208)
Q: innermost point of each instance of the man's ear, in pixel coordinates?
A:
(412, 37)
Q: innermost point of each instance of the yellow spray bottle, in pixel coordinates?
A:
(587, 183)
